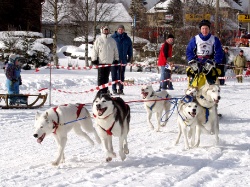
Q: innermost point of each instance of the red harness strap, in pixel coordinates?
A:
(56, 124)
(109, 130)
(80, 106)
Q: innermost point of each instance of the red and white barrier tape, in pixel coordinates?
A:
(130, 84)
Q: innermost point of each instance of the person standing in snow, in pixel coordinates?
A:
(165, 52)
(105, 52)
(223, 65)
(125, 49)
(239, 63)
(13, 75)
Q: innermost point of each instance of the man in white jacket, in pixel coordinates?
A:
(105, 52)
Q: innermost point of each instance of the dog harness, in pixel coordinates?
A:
(109, 130)
(56, 124)
(152, 106)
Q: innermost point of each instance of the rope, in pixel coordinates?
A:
(75, 120)
(175, 103)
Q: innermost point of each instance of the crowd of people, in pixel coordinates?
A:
(207, 60)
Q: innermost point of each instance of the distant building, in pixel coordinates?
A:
(69, 28)
(20, 15)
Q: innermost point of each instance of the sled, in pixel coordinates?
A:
(23, 101)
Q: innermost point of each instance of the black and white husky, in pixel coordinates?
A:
(112, 116)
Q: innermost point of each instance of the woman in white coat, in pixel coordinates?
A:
(105, 52)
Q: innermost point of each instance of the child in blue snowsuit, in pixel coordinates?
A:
(12, 73)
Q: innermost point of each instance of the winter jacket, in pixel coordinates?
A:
(13, 78)
(216, 53)
(105, 50)
(240, 61)
(124, 45)
(12, 71)
(165, 52)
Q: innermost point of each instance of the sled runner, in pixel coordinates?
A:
(22, 101)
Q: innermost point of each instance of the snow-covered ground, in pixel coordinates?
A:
(153, 160)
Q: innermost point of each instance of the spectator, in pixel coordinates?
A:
(239, 63)
(125, 49)
(168, 74)
(13, 75)
(204, 51)
(104, 53)
(165, 52)
(223, 65)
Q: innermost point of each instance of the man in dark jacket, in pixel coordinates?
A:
(223, 65)
(125, 50)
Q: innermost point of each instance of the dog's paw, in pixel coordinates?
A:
(108, 159)
(126, 151)
(111, 154)
(163, 124)
(55, 163)
(92, 143)
(122, 155)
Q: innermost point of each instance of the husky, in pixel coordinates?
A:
(59, 121)
(153, 106)
(207, 98)
(112, 116)
(187, 120)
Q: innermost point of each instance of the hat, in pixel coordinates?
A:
(204, 23)
(170, 36)
(121, 26)
(241, 51)
(12, 58)
(104, 28)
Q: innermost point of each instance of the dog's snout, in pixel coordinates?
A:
(98, 106)
(219, 97)
(35, 135)
(194, 110)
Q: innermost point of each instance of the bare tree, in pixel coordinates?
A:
(87, 14)
(56, 11)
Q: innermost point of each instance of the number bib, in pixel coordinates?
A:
(204, 47)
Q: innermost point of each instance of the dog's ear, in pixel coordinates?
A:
(46, 115)
(38, 114)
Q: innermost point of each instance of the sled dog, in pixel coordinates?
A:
(207, 97)
(112, 116)
(153, 106)
(186, 120)
(59, 121)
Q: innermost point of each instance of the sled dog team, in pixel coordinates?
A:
(112, 118)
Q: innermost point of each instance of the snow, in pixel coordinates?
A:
(152, 161)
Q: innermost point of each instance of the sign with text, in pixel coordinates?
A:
(244, 17)
(169, 17)
(197, 17)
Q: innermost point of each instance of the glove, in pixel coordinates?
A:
(95, 62)
(115, 62)
(192, 62)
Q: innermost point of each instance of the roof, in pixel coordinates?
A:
(113, 12)
(162, 6)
